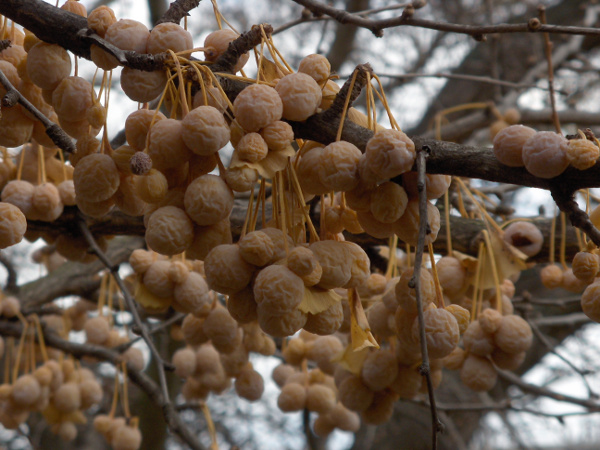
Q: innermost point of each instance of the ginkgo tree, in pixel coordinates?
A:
(266, 208)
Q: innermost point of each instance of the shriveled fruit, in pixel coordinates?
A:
(354, 394)
(249, 384)
(204, 130)
(292, 397)
(300, 95)
(226, 271)
(590, 301)
(478, 373)
(582, 153)
(208, 200)
(96, 178)
(338, 170)
(217, 42)
(441, 331)
(316, 66)
(545, 154)
(379, 369)
(169, 36)
(142, 86)
(169, 231)
(278, 289)
(48, 65)
(257, 106)
(389, 153)
(514, 334)
(525, 236)
(509, 142)
(13, 225)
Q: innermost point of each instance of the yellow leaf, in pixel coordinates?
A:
(269, 71)
(360, 331)
(509, 261)
(350, 359)
(149, 301)
(270, 165)
(317, 300)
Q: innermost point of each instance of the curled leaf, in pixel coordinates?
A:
(317, 300)
(360, 331)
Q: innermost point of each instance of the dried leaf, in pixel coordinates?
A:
(317, 300)
(269, 71)
(270, 165)
(350, 359)
(360, 331)
(149, 301)
(509, 261)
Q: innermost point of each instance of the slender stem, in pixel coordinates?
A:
(415, 282)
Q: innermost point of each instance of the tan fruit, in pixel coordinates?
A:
(455, 360)
(451, 274)
(97, 330)
(169, 231)
(545, 154)
(252, 148)
(278, 290)
(96, 178)
(406, 296)
(217, 42)
(381, 409)
(552, 276)
(184, 361)
(379, 369)
(525, 236)
(91, 393)
(320, 399)
(192, 330)
(100, 18)
(389, 153)
(126, 438)
(205, 131)
(292, 397)
(257, 248)
(514, 334)
(278, 135)
(25, 391)
(354, 394)
(478, 373)
(477, 341)
(192, 296)
(166, 147)
(208, 200)
(249, 384)
(280, 325)
(300, 95)
(441, 330)
(226, 271)
(407, 227)
(338, 166)
(326, 322)
(15, 127)
(509, 142)
(388, 202)
(13, 225)
(590, 301)
(142, 86)
(316, 66)
(208, 237)
(508, 361)
(72, 98)
(48, 65)
(585, 266)
(582, 153)
(169, 36)
(257, 106)
(156, 279)
(138, 125)
(67, 398)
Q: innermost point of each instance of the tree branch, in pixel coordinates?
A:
(178, 10)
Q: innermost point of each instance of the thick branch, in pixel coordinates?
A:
(178, 10)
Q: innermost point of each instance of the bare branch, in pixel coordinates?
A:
(415, 282)
(178, 10)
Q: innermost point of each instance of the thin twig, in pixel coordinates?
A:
(307, 18)
(458, 76)
(415, 282)
(548, 48)
(178, 10)
(477, 32)
(566, 202)
(114, 270)
(552, 349)
(54, 132)
(242, 44)
(544, 392)
(11, 279)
